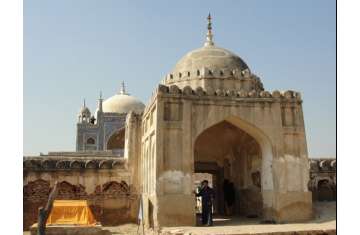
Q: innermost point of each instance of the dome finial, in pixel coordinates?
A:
(122, 90)
(84, 104)
(209, 35)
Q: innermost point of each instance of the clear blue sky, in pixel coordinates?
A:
(74, 49)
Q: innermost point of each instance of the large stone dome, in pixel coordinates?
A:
(212, 68)
(210, 57)
(123, 103)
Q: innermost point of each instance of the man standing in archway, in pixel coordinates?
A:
(207, 198)
(229, 196)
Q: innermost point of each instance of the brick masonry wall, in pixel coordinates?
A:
(322, 181)
(111, 203)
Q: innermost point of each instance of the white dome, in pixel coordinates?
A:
(123, 103)
(211, 57)
(84, 112)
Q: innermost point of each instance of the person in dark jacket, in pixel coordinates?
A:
(229, 196)
(207, 198)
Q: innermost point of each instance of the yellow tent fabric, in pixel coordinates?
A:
(71, 212)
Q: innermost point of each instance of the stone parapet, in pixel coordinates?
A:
(187, 91)
(51, 163)
(323, 165)
(89, 153)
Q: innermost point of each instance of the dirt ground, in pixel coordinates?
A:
(325, 219)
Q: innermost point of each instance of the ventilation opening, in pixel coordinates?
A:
(90, 141)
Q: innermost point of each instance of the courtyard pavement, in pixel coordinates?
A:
(325, 220)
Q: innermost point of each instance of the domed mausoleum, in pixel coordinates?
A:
(210, 115)
(123, 103)
(211, 67)
(106, 129)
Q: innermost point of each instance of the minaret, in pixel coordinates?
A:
(84, 114)
(99, 109)
(209, 35)
(100, 101)
(100, 123)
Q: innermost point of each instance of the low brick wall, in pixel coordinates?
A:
(104, 182)
(111, 203)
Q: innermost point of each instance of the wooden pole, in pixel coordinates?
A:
(43, 213)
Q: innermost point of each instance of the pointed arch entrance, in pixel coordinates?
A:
(116, 141)
(237, 152)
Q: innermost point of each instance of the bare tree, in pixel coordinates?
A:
(43, 213)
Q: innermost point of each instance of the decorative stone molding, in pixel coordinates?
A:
(90, 164)
(47, 164)
(323, 165)
(276, 94)
(105, 164)
(219, 92)
(243, 94)
(76, 164)
(187, 91)
(333, 164)
(205, 72)
(288, 94)
(51, 163)
(298, 96)
(116, 164)
(62, 164)
(252, 94)
(265, 94)
(230, 93)
(200, 91)
(162, 89)
(322, 170)
(173, 89)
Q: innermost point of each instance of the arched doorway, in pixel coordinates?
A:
(116, 141)
(325, 190)
(231, 155)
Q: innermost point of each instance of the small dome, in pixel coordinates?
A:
(84, 111)
(211, 57)
(123, 103)
(207, 62)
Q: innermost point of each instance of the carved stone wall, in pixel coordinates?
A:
(104, 182)
(323, 179)
(273, 119)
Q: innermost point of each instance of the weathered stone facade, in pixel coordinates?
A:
(323, 179)
(271, 128)
(103, 180)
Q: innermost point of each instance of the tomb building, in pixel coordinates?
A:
(210, 115)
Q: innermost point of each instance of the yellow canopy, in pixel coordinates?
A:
(71, 212)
